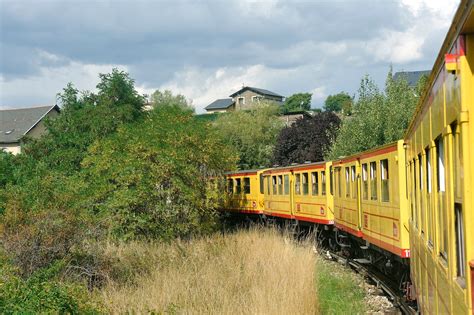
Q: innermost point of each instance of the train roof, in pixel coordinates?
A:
(463, 22)
(389, 147)
(246, 172)
(302, 166)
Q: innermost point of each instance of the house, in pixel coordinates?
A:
(412, 77)
(290, 118)
(16, 124)
(244, 98)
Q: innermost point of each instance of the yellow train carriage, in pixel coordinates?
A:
(299, 192)
(369, 199)
(244, 192)
(440, 167)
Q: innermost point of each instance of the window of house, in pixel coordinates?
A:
(280, 184)
(256, 98)
(297, 184)
(241, 100)
(230, 185)
(238, 187)
(348, 183)
(274, 185)
(365, 182)
(315, 183)
(385, 180)
(441, 181)
(373, 180)
(305, 183)
(323, 183)
(354, 182)
(246, 185)
(287, 184)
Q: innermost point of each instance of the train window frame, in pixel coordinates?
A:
(323, 183)
(354, 182)
(348, 183)
(429, 203)
(314, 183)
(385, 180)
(280, 184)
(365, 182)
(373, 181)
(238, 185)
(338, 178)
(441, 190)
(247, 185)
(286, 184)
(305, 183)
(268, 185)
(421, 194)
(262, 189)
(230, 185)
(414, 192)
(274, 185)
(331, 180)
(297, 184)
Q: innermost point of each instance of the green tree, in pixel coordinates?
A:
(252, 133)
(166, 98)
(297, 102)
(378, 117)
(338, 102)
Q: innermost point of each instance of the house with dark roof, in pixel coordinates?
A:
(412, 77)
(16, 124)
(244, 98)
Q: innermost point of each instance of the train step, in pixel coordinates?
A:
(362, 261)
(364, 247)
(344, 245)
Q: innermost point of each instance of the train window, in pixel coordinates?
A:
(442, 212)
(339, 190)
(348, 183)
(246, 185)
(315, 183)
(331, 181)
(297, 184)
(305, 183)
(429, 211)
(373, 181)
(230, 185)
(458, 173)
(365, 183)
(385, 180)
(238, 186)
(323, 183)
(280, 184)
(420, 183)
(274, 185)
(268, 185)
(261, 183)
(287, 184)
(415, 196)
(354, 183)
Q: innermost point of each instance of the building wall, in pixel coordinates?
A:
(249, 101)
(13, 148)
(40, 128)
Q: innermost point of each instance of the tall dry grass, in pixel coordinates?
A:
(249, 272)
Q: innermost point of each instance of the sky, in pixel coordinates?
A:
(207, 50)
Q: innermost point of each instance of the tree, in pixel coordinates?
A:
(252, 133)
(306, 140)
(338, 102)
(378, 117)
(159, 98)
(297, 102)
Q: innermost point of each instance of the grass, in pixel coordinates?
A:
(338, 289)
(249, 272)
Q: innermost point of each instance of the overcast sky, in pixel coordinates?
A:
(208, 49)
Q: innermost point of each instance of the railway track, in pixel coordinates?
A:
(381, 281)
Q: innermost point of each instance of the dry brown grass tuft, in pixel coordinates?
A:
(249, 272)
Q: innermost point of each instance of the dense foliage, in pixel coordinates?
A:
(251, 133)
(306, 140)
(377, 117)
(297, 102)
(106, 170)
(341, 102)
